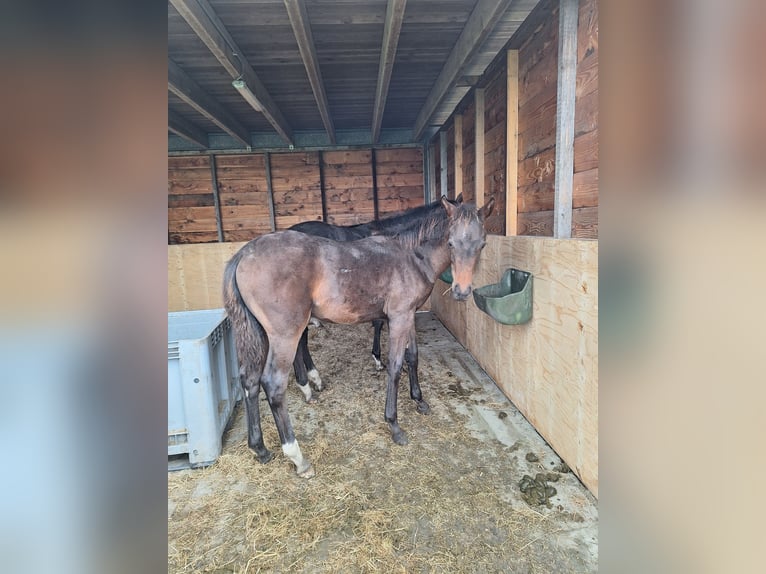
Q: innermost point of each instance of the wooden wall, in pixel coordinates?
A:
(537, 83)
(195, 275)
(494, 146)
(299, 180)
(348, 186)
(548, 367)
(538, 67)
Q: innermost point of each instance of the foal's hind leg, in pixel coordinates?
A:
(411, 356)
(378, 326)
(303, 350)
(274, 380)
(300, 366)
(251, 387)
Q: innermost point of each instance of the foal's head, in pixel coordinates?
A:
(466, 240)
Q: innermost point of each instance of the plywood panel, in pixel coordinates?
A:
(195, 275)
(549, 366)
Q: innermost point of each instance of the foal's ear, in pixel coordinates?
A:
(449, 206)
(459, 199)
(486, 210)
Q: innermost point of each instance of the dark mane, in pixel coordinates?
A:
(401, 223)
(433, 225)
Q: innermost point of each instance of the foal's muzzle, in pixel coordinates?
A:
(460, 293)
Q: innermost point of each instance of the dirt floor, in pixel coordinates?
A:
(450, 501)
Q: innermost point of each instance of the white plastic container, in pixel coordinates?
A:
(203, 385)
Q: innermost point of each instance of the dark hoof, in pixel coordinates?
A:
(264, 457)
(400, 438)
(423, 407)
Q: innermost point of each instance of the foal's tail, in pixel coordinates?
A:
(251, 341)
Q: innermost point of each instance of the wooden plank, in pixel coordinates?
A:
(536, 223)
(188, 162)
(195, 275)
(190, 200)
(586, 151)
(431, 189)
(347, 157)
(216, 199)
(479, 147)
(443, 163)
(299, 19)
(186, 129)
(565, 117)
(585, 222)
(391, 30)
(203, 20)
(512, 142)
(412, 154)
(376, 211)
(190, 92)
(548, 367)
(585, 192)
(458, 154)
(321, 188)
(484, 17)
(270, 190)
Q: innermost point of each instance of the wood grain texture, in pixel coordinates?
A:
(549, 366)
(195, 275)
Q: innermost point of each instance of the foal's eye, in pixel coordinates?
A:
(450, 244)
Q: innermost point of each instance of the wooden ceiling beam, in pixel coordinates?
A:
(299, 19)
(206, 24)
(486, 14)
(190, 92)
(393, 26)
(186, 129)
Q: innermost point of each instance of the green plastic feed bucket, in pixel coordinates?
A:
(446, 276)
(508, 302)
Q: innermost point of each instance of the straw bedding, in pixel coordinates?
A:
(447, 502)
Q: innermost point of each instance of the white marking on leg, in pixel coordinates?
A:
(293, 452)
(314, 377)
(378, 364)
(306, 391)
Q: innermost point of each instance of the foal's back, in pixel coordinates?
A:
(343, 282)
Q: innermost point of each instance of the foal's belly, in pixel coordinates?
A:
(346, 313)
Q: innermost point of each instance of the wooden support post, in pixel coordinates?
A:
(479, 163)
(512, 144)
(321, 187)
(443, 162)
(565, 118)
(458, 154)
(431, 173)
(216, 199)
(375, 211)
(272, 211)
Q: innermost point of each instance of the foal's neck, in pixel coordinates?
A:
(432, 258)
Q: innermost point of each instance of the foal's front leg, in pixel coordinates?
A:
(398, 339)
